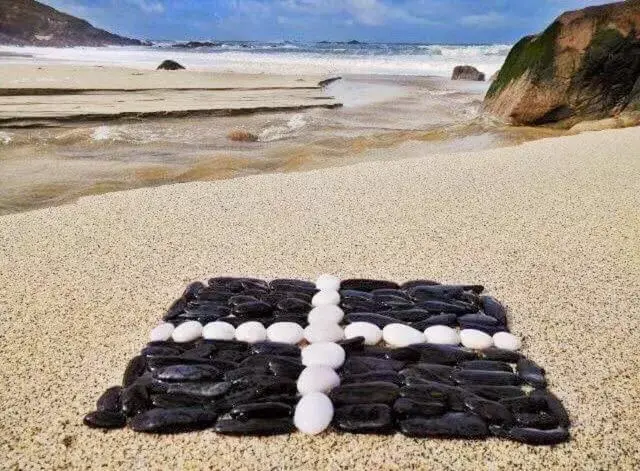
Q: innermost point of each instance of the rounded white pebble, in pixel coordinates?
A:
(442, 335)
(187, 331)
(313, 414)
(326, 313)
(372, 333)
(323, 353)
(219, 331)
(251, 332)
(285, 332)
(475, 339)
(317, 378)
(506, 341)
(328, 282)
(161, 333)
(323, 332)
(323, 298)
(400, 335)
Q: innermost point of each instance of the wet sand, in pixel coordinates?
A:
(550, 227)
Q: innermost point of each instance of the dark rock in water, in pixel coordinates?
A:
(136, 367)
(554, 406)
(233, 375)
(293, 305)
(384, 376)
(359, 364)
(429, 391)
(407, 315)
(492, 307)
(286, 283)
(376, 319)
(437, 306)
(525, 404)
(261, 410)
(186, 372)
(449, 425)
(406, 407)
(253, 309)
(262, 427)
(192, 290)
(486, 365)
(110, 400)
(498, 354)
(364, 418)
(496, 393)
(360, 393)
(354, 344)
(540, 420)
(105, 419)
(206, 389)
(450, 320)
(490, 378)
(135, 399)
(532, 436)
(491, 411)
(367, 285)
(467, 72)
(443, 354)
(531, 373)
(275, 348)
(429, 372)
(182, 419)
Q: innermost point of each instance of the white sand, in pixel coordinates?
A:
(552, 228)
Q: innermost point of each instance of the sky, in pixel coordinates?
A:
(423, 21)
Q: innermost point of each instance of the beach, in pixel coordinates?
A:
(550, 227)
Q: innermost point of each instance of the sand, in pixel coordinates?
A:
(552, 228)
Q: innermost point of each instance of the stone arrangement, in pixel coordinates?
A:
(248, 357)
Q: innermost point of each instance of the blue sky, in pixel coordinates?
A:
(429, 21)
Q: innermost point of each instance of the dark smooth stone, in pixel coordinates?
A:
(176, 308)
(267, 385)
(207, 389)
(490, 378)
(348, 294)
(136, 367)
(135, 399)
(450, 320)
(182, 419)
(236, 345)
(531, 373)
(367, 285)
(554, 406)
(203, 350)
(443, 354)
(429, 391)
(385, 376)
(274, 348)
(291, 399)
(261, 410)
(154, 363)
(390, 292)
(224, 365)
(429, 372)
(240, 299)
(532, 436)
(359, 393)
(452, 307)
(524, 403)
(406, 407)
(413, 283)
(222, 281)
(498, 354)
(541, 420)
(263, 360)
(354, 344)
(105, 419)
(281, 283)
(350, 305)
(405, 354)
(492, 307)
(300, 319)
(192, 290)
(376, 319)
(215, 295)
(161, 351)
(479, 318)
(244, 396)
(110, 401)
(487, 329)
(407, 315)
(253, 309)
(495, 393)
(393, 302)
(294, 305)
(262, 427)
(450, 425)
(364, 418)
(491, 411)
(276, 296)
(186, 372)
(373, 351)
(232, 355)
(361, 364)
(233, 375)
(442, 292)
(486, 365)
(172, 401)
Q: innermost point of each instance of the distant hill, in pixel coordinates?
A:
(30, 23)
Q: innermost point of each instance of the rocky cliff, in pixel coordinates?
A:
(29, 23)
(584, 66)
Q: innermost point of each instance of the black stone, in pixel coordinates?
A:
(429, 372)
(405, 354)
(532, 436)
(413, 283)
(395, 303)
(233, 375)
(274, 348)
(554, 406)
(135, 399)
(486, 365)
(354, 344)
(359, 393)
(491, 411)
(158, 350)
(438, 306)
(267, 385)
(176, 308)
(524, 403)
(232, 355)
(170, 65)
(205, 389)
(361, 364)
(186, 372)
(172, 401)
(443, 354)
(155, 363)
(252, 309)
(540, 420)
(261, 427)
(492, 307)
(495, 393)
(479, 318)
(261, 410)
(406, 407)
(498, 354)
(407, 315)
(293, 305)
(450, 320)
(428, 391)
(203, 350)
(449, 425)
(385, 376)
(105, 419)
(136, 367)
(286, 283)
(490, 378)
(367, 285)
(110, 401)
(531, 373)
(182, 419)
(235, 345)
(364, 418)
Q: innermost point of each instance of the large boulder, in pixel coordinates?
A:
(170, 65)
(584, 66)
(467, 72)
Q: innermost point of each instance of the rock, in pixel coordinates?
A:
(187, 372)
(200, 389)
(110, 400)
(475, 339)
(400, 335)
(597, 125)
(326, 297)
(542, 420)
(429, 372)
(326, 82)
(162, 332)
(451, 425)
(467, 72)
(261, 410)
(326, 313)
(227, 425)
(323, 332)
(441, 335)
(170, 65)
(495, 393)
(506, 341)
(187, 332)
(275, 348)
(495, 378)
(328, 283)
(352, 345)
(491, 411)
(443, 354)
(195, 44)
(371, 333)
(251, 332)
(313, 413)
(364, 418)
(447, 319)
(361, 393)
(105, 419)
(285, 332)
(135, 368)
(135, 399)
(486, 365)
(375, 319)
(367, 285)
(218, 331)
(293, 306)
(317, 378)
(532, 436)
(494, 76)
(252, 309)
(181, 419)
(428, 391)
(386, 376)
(498, 354)
(323, 353)
(405, 407)
(531, 373)
(582, 67)
(240, 135)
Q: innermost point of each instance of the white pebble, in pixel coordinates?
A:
(285, 332)
(442, 335)
(400, 335)
(372, 333)
(187, 331)
(323, 332)
(219, 331)
(317, 378)
(323, 353)
(161, 333)
(475, 339)
(328, 282)
(251, 332)
(326, 313)
(323, 298)
(506, 341)
(313, 414)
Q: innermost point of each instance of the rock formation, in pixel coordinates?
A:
(467, 72)
(170, 65)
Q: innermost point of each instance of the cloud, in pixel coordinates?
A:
(148, 6)
(485, 20)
